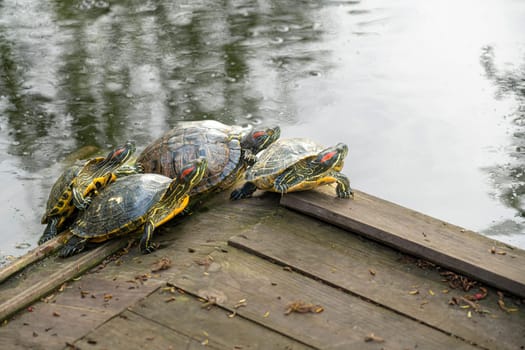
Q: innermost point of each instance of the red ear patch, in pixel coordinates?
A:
(118, 152)
(187, 171)
(328, 156)
(258, 134)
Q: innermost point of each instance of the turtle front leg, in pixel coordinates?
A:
(99, 183)
(288, 179)
(50, 231)
(129, 169)
(146, 246)
(249, 157)
(343, 189)
(79, 200)
(74, 246)
(244, 192)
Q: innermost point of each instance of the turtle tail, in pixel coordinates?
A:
(73, 246)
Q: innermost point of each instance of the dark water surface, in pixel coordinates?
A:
(429, 95)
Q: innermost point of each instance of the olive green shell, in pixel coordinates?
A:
(217, 142)
(60, 198)
(121, 207)
(281, 155)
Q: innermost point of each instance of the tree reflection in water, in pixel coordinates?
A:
(509, 177)
(90, 74)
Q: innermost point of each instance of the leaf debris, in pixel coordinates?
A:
(163, 264)
(373, 338)
(502, 306)
(456, 281)
(208, 303)
(302, 307)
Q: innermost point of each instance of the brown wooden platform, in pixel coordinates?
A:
(235, 269)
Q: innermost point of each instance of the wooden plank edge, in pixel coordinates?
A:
(73, 268)
(33, 256)
(415, 249)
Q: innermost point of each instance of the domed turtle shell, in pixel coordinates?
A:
(121, 207)
(132, 202)
(225, 146)
(281, 155)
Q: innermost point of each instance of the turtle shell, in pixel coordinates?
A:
(121, 207)
(60, 196)
(187, 141)
(280, 155)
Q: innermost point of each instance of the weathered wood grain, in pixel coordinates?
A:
(378, 273)
(131, 331)
(448, 245)
(71, 313)
(73, 267)
(182, 312)
(268, 290)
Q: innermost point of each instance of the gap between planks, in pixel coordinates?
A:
(417, 234)
(268, 289)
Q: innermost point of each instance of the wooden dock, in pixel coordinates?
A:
(313, 273)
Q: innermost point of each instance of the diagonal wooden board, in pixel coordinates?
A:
(70, 269)
(267, 289)
(68, 315)
(178, 320)
(458, 249)
(383, 276)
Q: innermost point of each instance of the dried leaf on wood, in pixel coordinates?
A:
(163, 264)
(373, 338)
(303, 307)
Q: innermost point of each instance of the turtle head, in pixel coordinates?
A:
(192, 173)
(120, 154)
(260, 138)
(331, 157)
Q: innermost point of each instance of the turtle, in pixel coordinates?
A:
(229, 149)
(133, 202)
(296, 164)
(72, 189)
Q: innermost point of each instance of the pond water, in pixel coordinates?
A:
(428, 95)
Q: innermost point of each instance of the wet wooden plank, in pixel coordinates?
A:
(381, 274)
(179, 311)
(33, 256)
(184, 242)
(417, 234)
(131, 331)
(71, 313)
(49, 281)
(268, 289)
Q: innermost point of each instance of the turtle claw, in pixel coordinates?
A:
(50, 231)
(237, 194)
(44, 239)
(250, 158)
(245, 191)
(149, 248)
(281, 188)
(73, 246)
(344, 195)
(344, 192)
